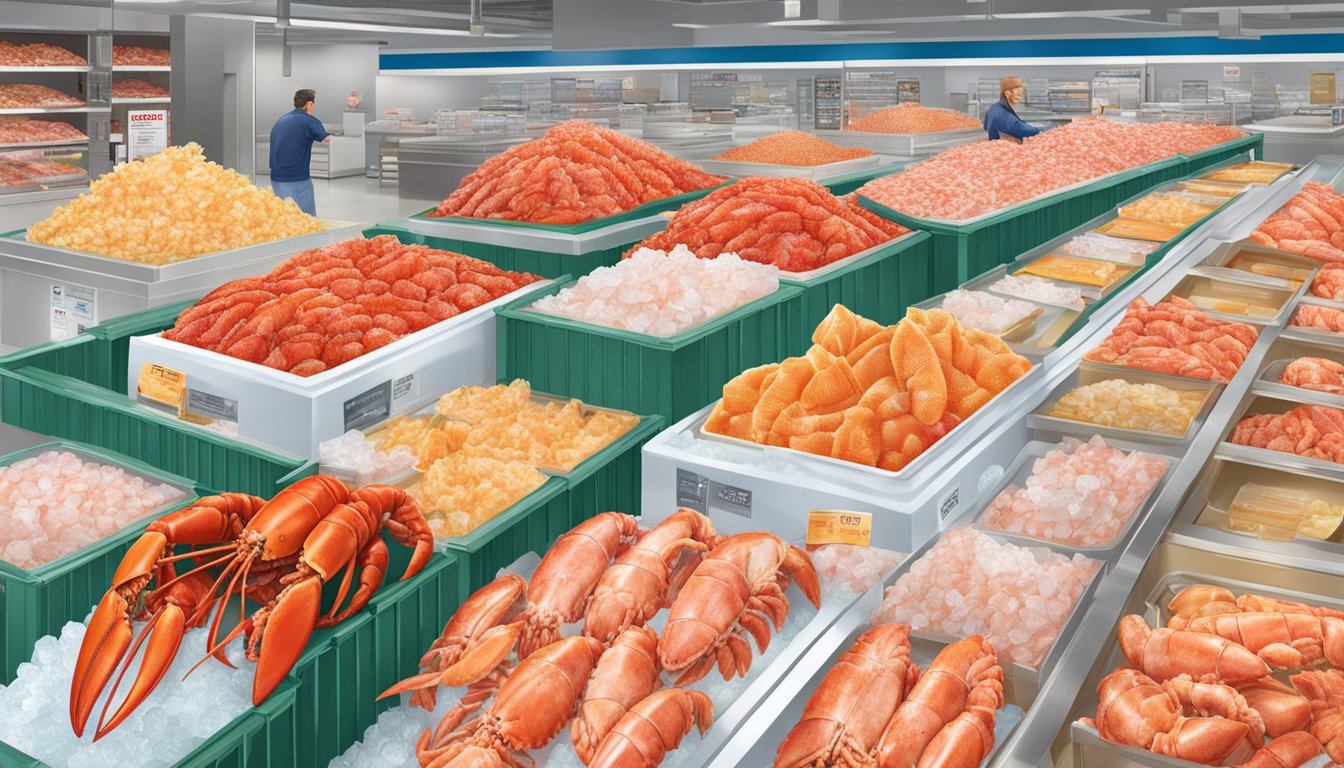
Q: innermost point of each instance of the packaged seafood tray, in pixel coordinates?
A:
(29, 272)
(1022, 468)
(39, 600)
(1237, 301)
(1035, 333)
(671, 376)
(1255, 172)
(1098, 277)
(1324, 373)
(1170, 570)
(1210, 188)
(1256, 404)
(527, 248)
(1285, 511)
(735, 482)
(818, 173)
(1138, 229)
(987, 282)
(1198, 393)
(1262, 264)
(295, 413)
(756, 741)
(904, 144)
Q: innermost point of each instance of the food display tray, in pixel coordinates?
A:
(1138, 229)
(986, 281)
(1095, 293)
(1256, 403)
(1091, 373)
(38, 601)
(1240, 576)
(295, 413)
(1033, 335)
(905, 144)
(1210, 500)
(741, 168)
(1280, 300)
(1021, 469)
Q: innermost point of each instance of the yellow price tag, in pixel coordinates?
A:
(162, 385)
(826, 526)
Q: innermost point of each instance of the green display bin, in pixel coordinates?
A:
(346, 667)
(62, 406)
(845, 183)
(1252, 144)
(879, 285)
(528, 526)
(548, 264)
(610, 367)
(265, 736)
(39, 601)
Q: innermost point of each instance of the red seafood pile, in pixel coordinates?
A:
(33, 131)
(32, 96)
(792, 148)
(575, 172)
(1174, 337)
(330, 305)
(1316, 373)
(14, 172)
(38, 55)
(912, 118)
(796, 225)
(137, 89)
(1324, 318)
(139, 56)
(1310, 223)
(971, 180)
(1310, 431)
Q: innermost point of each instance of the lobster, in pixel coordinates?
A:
(1166, 653)
(947, 720)
(847, 714)
(532, 705)
(276, 552)
(627, 673)
(652, 728)
(1283, 640)
(740, 579)
(1283, 709)
(1325, 691)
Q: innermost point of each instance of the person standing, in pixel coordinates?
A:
(292, 140)
(1001, 119)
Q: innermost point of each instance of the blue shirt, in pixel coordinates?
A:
(1000, 119)
(292, 145)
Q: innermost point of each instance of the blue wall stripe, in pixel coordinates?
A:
(978, 49)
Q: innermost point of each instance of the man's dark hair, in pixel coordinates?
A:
(303, 96)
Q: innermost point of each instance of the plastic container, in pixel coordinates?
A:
(1223, 488)
(295, 414)
(1036, 333)
(31, 273)
(671, 376)
(879, 284)
(39, 601)
(1022, 469)
(1262, 262)
(1238, 302)
(1091, 373)
(986, 283)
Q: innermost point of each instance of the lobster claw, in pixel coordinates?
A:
(164, 634)
(105, 642)
(287, 630)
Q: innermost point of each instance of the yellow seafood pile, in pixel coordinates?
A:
(874, 395)
(460, 492)
(1126, 405)
(1172, 210)
(481, 450)
(170, 207)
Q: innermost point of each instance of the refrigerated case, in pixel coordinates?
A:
(143, 83)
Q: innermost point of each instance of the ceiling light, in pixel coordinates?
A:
(358, 26)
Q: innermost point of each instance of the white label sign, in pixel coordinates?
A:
(949, 504)
(146, 132)
(73, 308)
(1231, 71)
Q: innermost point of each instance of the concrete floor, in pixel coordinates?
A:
(357, 199)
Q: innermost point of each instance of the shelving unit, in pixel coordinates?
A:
(155, 75)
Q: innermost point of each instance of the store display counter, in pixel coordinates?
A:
(1299, 138)
(431, 167)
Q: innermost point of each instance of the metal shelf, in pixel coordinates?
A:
(134, 68)
(39, 144)
(85, 68)
(53, 110)
(148, 100)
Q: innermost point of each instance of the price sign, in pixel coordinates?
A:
(146, 132)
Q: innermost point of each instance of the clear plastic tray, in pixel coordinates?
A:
(985, 282)
(1021, 469)
(1037, 329)
(1095, 292)
(1221, 299)
(1311, 333)
(948, 441)
(1230, 476)
(1136, 258)
(1244, 258)
(1091, 373)
(1257, 404)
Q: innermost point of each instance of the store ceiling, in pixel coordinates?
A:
(593, 24)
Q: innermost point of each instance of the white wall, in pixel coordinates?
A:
(331, 70)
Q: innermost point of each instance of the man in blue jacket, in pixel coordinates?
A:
(1001, 120)
(292, 149)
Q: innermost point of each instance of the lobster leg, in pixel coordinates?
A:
(372, 564)
(403, 520)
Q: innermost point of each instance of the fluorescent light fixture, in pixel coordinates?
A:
(748, 66)
(362, 27)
